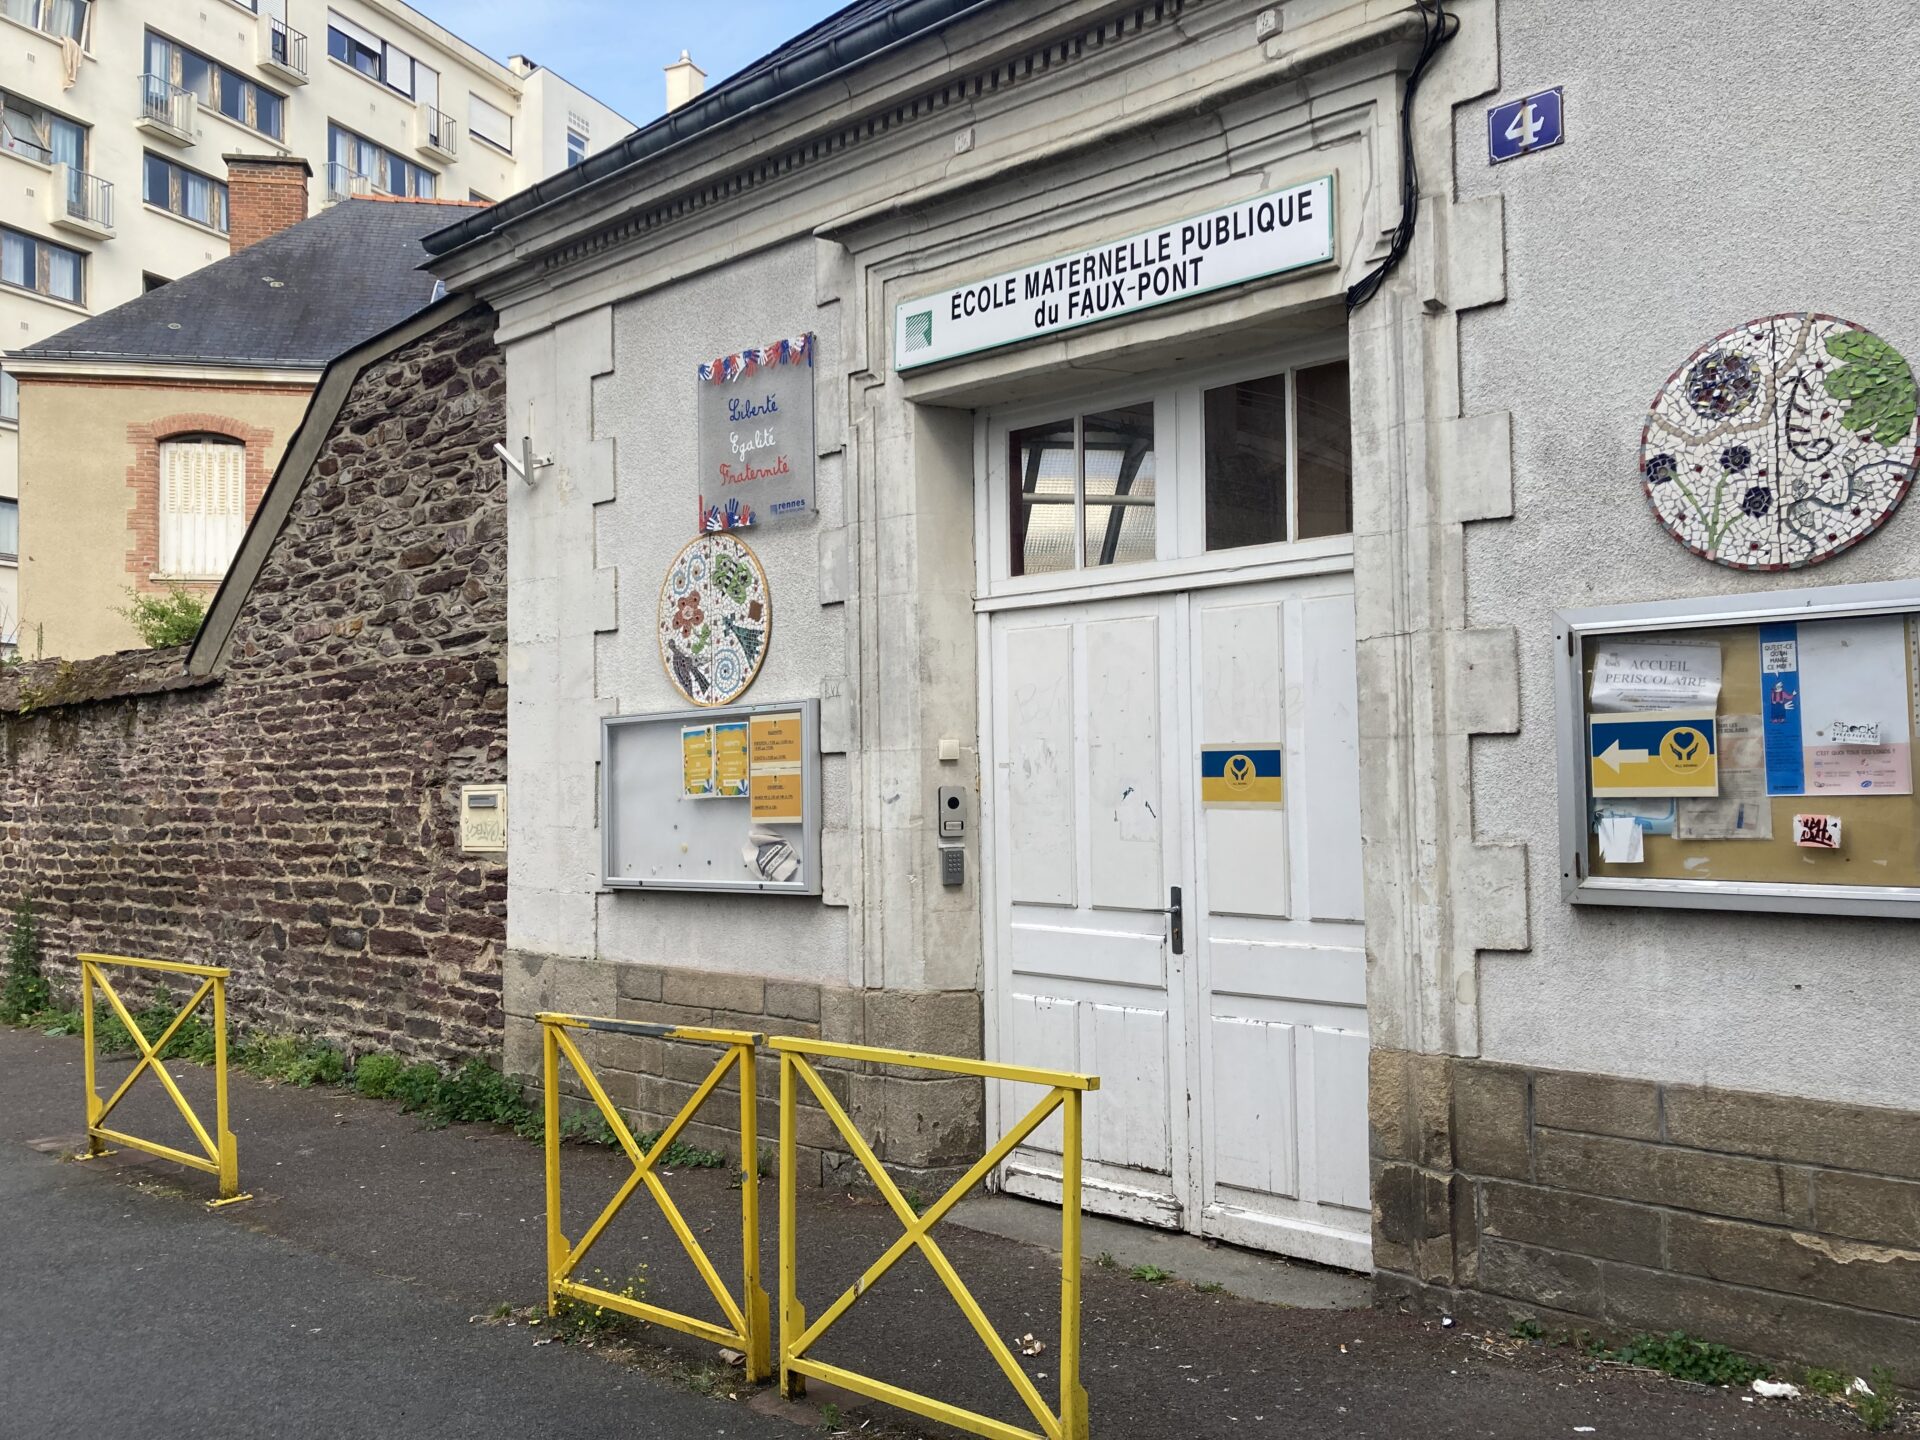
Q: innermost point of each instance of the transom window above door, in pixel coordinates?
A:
(1175, 475)
(1085, 491)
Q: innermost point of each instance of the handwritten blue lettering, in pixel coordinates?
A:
(738, 409)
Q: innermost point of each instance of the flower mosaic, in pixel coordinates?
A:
(1782, 442)
(715, 613)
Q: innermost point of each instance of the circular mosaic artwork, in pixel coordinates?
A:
(1781, 443)
(715, 613)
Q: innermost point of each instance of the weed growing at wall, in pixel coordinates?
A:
(1686, 1358)
(26, 992)
(374, 1076)
(288, 1059)
(1876, 1404)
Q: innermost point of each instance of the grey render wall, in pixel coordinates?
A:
(647, 407)
(1666, 218)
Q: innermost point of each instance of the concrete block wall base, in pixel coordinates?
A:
(1784, 1227)
(926, 1128)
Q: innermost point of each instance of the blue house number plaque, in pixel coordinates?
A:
(1523, 126)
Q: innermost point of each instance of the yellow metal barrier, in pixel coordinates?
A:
(797, 1337)
(222, 1158)
(747, 1326)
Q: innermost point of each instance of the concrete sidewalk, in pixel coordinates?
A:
(409, 1233)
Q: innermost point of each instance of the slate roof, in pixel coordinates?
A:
(294, 300)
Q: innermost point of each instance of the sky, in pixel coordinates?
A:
(615, 50)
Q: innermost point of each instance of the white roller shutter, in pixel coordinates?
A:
(203, 505)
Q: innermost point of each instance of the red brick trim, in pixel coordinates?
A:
(143, 483)
(187, 381)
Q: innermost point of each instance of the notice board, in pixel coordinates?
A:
(1753, 753)
(721, 799)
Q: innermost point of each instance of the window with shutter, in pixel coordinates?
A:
(203, 505)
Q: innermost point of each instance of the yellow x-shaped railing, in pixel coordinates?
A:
(221, 1158)
(797, 1337)
(747, 1324)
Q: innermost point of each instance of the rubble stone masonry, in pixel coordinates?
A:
(297, 816)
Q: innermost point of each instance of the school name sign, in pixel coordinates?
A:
(1283, 230)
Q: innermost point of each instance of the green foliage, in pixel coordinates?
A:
(1874, 383)
(477, 1093)
(578, 1321)
(1527, 1328)
(288, 1059)
(587, 1127)
(1150, 1274)
(680, 1155)
(1823, 1382)
(25, 992)
(830, 1417)
(1210, 1287)
(58, 1022)
(171, 618)
(374, 1076)
(1878, 1407)
(1104, 1260)
(1685, 1358)
(416, 1086)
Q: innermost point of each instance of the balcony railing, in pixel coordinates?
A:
(344, 183)
(89, 198)
(436, 132)
(82, 201)
(165, 106)
(283, 50)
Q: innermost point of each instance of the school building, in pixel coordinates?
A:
(1338, 564)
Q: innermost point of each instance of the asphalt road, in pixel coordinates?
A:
(337, 1302)
(124, 1313)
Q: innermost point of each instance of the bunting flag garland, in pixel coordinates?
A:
(728, 368)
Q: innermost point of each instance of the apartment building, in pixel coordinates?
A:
(114, 119)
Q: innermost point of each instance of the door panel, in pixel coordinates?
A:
(1241, 652)
(1256, 1149)
(1331, 737)
(1123, 762)
(1039, 737)
(1083, 849)
(1281, 964)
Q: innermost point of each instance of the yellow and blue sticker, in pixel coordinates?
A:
(1654, 752)
(1241, 777)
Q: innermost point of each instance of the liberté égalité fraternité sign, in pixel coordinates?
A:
(1282, 230)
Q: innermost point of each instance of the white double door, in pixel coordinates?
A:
(1233, 1056)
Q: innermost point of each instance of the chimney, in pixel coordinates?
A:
(684, 81)
(521, 66)
(265, 194)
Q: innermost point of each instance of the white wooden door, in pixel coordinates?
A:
(1088, 830)
(1233, 1068)
(1279, 952)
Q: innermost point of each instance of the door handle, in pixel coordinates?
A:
(1178, 925)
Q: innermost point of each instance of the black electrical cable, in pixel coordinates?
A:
(1440, 29)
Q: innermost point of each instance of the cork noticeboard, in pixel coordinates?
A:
(1768, 762)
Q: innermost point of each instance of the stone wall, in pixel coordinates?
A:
(927, 1128)
(1786, 1227)
(298, 819)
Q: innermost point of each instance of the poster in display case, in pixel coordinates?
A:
(1752, 752)
(713, 800)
